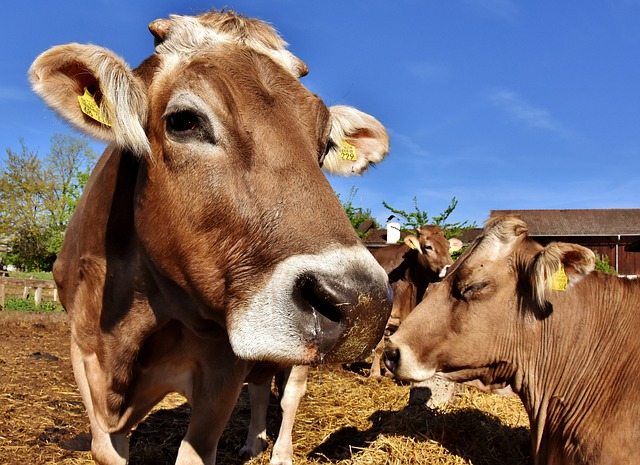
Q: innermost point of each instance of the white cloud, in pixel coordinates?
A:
(502, 9)
(520, 110)
(425, 71)
(403, 142)
(14, 94)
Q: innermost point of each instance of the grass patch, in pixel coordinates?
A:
(44, 275)
(28, 305)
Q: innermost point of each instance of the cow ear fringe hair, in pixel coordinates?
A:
(532, 295)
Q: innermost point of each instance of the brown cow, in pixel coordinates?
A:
(186, 260)
(511, 311)
(422, 259)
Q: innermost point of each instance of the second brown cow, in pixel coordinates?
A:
(421, 260)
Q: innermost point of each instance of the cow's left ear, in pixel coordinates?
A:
(358, 141)
(455, 244)
(559, 266)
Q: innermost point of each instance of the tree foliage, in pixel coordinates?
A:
(418, 218)
(357, 215)
(38, 196)
(602, 264)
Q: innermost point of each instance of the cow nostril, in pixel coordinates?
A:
(320, 298)
(391, 358)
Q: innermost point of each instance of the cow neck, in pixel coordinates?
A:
(571, 353)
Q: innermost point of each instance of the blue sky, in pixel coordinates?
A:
(503, 104)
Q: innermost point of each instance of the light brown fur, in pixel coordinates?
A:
(571, 355)
(207, 238)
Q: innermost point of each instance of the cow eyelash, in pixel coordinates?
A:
(327, 149)
(472, 289)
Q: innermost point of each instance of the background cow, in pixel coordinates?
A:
(422, 259)
(185, 260)
(511, 311)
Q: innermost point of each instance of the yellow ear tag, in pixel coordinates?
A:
(348, 151)
(90, 108)
(559, 279)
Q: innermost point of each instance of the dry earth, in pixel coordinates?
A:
(344, 419)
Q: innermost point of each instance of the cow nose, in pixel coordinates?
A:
(343, 319)
(391, 358)
(323, 299)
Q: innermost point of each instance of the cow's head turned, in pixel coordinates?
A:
(493, 295)
(433, 250)
(231, 207)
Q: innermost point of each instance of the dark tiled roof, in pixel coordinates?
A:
(592, 222)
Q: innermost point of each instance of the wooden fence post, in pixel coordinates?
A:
(37, 296)
(37, 284)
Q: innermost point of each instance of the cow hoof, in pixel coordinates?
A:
(247, 452)
(281, 462)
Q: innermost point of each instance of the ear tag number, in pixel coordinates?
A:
(559, 279)
(348, 151)
(90, 108)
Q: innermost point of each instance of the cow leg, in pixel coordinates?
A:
(256, 441)
(213, 396)
(293, 390)
(106, 448)
(376, 370)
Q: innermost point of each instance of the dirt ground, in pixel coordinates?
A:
(345, 418)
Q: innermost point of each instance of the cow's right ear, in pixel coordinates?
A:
(96, 91)
(413, 242)
(358, 141)
(559, 266)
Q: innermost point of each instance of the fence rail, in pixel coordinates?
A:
(37, 284)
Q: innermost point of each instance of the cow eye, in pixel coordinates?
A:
(182, 121)
(327, 149)
(472, 290)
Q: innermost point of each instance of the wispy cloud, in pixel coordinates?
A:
(425, 71)
(502, 9)
(520, 110)
(406, 143)
(15, 94)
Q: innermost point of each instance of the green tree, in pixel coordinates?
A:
(418, 218)
(22, 212)
(37, 198)
(602, 264)
(357, 215)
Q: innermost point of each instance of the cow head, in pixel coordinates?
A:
(434, 250)
(492, 295)
(231, 208)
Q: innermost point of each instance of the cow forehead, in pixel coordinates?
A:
(187, 35)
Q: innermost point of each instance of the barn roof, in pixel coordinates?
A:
(590, 222)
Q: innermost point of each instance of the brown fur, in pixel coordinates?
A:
(410, 272)
(179, 231)
(575, 365)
